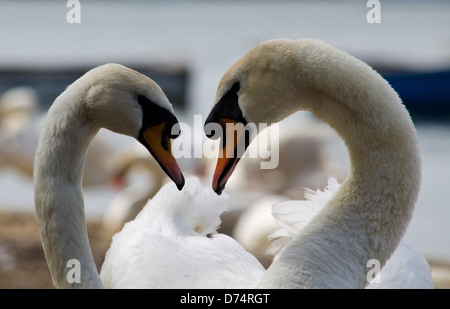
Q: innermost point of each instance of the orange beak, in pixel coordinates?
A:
(160, 148)
(232, 148)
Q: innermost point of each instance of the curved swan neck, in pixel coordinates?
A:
(59, 201)
(370, 213)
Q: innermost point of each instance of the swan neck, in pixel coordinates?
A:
(369, 215)
(59, 163)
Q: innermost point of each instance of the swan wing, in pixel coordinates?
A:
(293, 216)
(407, 268)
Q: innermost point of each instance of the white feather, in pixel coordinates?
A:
(175, 245)
(407, 268)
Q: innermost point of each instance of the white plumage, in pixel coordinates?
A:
(173, 243)
(407, 268)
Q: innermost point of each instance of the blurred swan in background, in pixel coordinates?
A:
(18, 106)
(137, 177)
(19, 127)
(254, 226)
(303, 159)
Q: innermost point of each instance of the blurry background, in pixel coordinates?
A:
(186, 46)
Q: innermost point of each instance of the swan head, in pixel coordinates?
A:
(127, 102)
(248, 94)
(280, 77)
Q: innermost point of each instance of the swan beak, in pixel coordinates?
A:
(232, 148)
(159, 145)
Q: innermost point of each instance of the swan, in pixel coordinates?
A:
(18, 106)
(18, 123)
(173, 243)
(369, 214)
(110, 96)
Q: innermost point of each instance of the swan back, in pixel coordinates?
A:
(173, 243)
(194, 210)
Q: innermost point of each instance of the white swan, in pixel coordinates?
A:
(19, 123)
(173, 243)
(18, 106)
(113, 97)
(368, 216)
